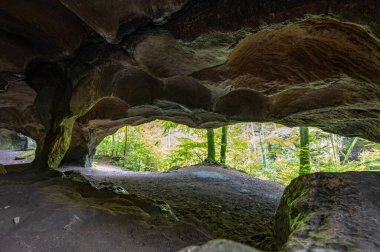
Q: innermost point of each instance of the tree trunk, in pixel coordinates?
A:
(223, 145)
(357, 151)
(117, 144)
(254, 142)
(113, 145)
(271, 153)
(169, 139)
(125, 140)
(262, 148)
(210, 145)
(304, 151)
(334, 149)
(354, 154)
(349, 151)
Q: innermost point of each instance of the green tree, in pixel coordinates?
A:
(210, 145)
(349, 150)
(187, 152)
(304, 151)
(223, 145)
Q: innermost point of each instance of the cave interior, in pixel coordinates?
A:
(73, 72)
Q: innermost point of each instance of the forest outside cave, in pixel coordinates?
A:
(268, 151)
(17, 151)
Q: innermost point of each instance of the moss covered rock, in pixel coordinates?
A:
(330, 212)
(2, 169)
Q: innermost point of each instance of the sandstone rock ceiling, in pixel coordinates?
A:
(72, 72)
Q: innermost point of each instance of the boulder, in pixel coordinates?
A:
(330, 212)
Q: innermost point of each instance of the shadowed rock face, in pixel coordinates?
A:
(17, 112)
(330, 212)
(72, 73)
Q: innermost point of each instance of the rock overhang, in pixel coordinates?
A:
(96, 67)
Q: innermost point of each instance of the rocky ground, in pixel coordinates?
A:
(157, 212)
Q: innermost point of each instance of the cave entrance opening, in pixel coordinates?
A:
(264, 150)
(16, 148)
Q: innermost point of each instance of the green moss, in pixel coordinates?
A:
(2, 170)
(76, 190)
(61, 143)
(26, 155)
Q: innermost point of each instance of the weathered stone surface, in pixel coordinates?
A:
(17, 112)
(179, 59)
(319, 48)
(113, 19)
(330, 212)
(200, 203)
(200, 63)
(220, 246)
(36, 29)
(187, 91)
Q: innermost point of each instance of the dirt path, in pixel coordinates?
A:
(106, 166)
(8, 157)
(171, 210)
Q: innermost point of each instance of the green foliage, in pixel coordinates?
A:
(167, 125)
(187, 152)
(28, 154)
(139, 155)
(370, 157)
(8, 147)
(160, 146)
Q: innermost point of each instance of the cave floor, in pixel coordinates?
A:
(161, 212)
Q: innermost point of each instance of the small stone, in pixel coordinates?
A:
(6, 207)
(119, 190)
(16, 220)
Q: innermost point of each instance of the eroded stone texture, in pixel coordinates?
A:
(113, 19)
(330, 212)
(96, 66)
(36, 29)
(220, 246)
(17, 112)
(58, 213)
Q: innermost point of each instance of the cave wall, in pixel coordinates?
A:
(329, 212)
(72, 73)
